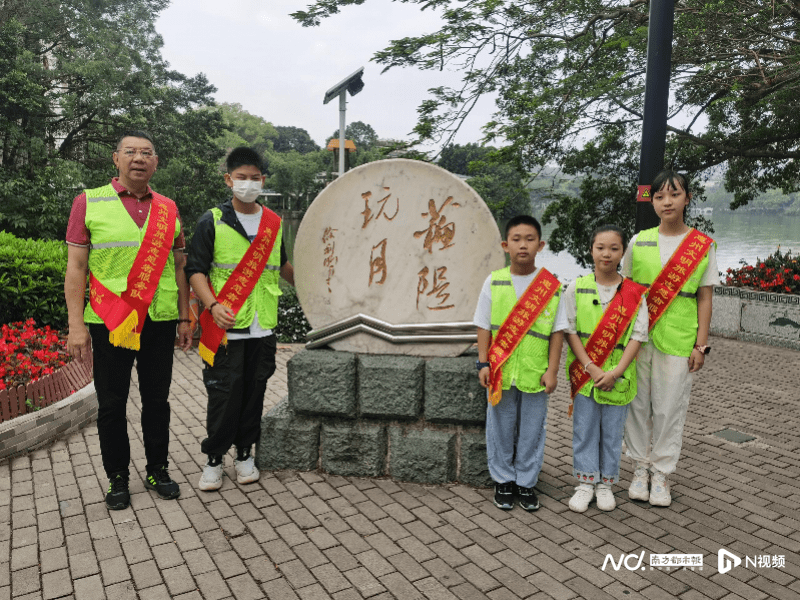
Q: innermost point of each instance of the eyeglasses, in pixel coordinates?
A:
(131, 152)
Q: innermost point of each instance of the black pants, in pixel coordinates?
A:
(236, 385)
(112, 381)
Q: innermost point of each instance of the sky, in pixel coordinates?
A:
(258, 56)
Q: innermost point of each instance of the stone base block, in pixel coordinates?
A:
(474, 464)
(453, 393)
(287, 441)
(426, 456)
(323, 382)
(354, 449)
(390, 387)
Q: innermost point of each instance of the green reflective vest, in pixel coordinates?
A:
(229, 248)
(529, 361)
(675, 332)
(115, 240)
(588, 316)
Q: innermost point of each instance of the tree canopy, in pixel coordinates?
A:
(74, 75)
(362, 135)
(500, 184)
(457, 158)
(294, 138)
(244, 128)
(565, 72)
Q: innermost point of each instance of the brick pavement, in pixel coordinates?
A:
(314, 536)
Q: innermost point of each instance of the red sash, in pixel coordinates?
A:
(240, 284)
(676, 273)
(125, 315)
(609, 330)
(516, 326)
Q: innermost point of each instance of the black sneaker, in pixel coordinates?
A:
(504, 495)
(118, 497)
(160, 481)
(527, 499)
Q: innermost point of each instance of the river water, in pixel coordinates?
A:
(739, 235)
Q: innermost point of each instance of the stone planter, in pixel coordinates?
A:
(34, 415)
(755, 316)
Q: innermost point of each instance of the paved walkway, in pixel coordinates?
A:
(315, 536)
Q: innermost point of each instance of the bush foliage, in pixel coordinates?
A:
(292, 324)
(32, 281)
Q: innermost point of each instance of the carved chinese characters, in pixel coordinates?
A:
(401, 241)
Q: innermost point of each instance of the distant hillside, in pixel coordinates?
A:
(773, 201)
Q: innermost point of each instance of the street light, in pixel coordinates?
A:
(353, 84)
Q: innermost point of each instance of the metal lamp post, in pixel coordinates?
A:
(352, 84)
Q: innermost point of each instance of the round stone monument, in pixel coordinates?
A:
(390, 259)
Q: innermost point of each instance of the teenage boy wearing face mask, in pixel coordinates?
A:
(235, 259)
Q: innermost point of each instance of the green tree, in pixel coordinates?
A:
(297, 177)
(190, 173)
(607, 173)
(569, 71)
(246, 129)
(499, 182)
(74, 75)
(456, 158)
(294, 138)
(365, 140)
(362, 135)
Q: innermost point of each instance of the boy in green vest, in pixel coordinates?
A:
(523, 372)
(237, 248)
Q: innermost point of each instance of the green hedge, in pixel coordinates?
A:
(32, 286)
(32, 280)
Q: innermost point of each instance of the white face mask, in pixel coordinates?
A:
(245, 190)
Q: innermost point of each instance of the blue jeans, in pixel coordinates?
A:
(520, 420)
(596, 440)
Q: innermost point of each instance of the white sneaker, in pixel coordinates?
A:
(659, 490)
(246, 471)
(639, 488)
(212, 478)
(581, 498)
(605, 497)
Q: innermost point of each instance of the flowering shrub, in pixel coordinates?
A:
(778, 273)
(29, 353)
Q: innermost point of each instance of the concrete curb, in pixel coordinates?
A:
(36, 429)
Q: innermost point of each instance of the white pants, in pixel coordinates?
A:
(654, 427)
